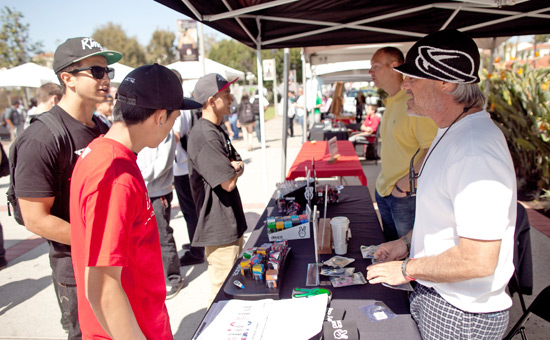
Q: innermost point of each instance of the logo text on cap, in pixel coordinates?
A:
(90, 43)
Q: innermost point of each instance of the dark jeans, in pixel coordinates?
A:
(291, 126)
(397, 215)
(2, 249)
(170, 261)
(67, 300)
(189, 211)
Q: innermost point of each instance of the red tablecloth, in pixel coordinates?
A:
(347, 165)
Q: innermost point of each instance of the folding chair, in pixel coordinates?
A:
(539, 307)
(522, 280)
(370, 150)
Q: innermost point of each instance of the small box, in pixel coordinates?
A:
(300, 231)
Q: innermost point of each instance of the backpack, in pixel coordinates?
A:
(56, 127)
(5, 114)
(256, 106)
(246, 113)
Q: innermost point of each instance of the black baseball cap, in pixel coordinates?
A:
(209, 85)
(76, 49)
(448, 55)
(154, 87)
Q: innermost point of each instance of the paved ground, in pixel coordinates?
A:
(28, 308)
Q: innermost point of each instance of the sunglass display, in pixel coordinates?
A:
(98, 72)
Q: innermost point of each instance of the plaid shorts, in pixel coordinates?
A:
(437, 319)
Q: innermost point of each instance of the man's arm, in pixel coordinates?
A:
(39, 220)
(110, 303)
(470, 259)
(231, 183)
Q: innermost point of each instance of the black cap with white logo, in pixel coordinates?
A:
(154, 87)
(447, 55)
(76, 49)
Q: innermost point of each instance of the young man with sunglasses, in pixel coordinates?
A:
(461, 253)
(41, 184)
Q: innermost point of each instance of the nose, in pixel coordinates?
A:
(406, 84)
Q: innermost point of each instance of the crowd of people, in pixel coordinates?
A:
(112, 251)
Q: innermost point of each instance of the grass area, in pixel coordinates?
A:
(270, 113)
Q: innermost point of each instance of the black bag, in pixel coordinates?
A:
(5, 164)
(246, 113)
(256, 106)
(63, 142)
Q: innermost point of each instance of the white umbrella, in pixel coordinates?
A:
(120, 72)
(27, 75)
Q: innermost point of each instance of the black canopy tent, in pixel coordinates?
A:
(293, 23)
(263, 24)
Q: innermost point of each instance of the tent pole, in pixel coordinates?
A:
(202, 57)
(262, 112)
(490, 69)
(285, 113)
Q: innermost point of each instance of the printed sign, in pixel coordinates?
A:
(269, 69)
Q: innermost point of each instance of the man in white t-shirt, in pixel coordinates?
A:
(461, 249)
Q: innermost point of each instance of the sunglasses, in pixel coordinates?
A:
(98, 72)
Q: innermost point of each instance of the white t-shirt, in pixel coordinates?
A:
(468, 189)
(182, 125)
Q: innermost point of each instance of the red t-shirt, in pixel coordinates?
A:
(372, 122)
(113, 224)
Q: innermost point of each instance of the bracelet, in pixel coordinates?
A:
(407, 242)
(404, 269)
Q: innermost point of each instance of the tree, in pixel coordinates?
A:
(234, 54)
(243, 58)
(113, 37)
(161, 48)
(15, 45)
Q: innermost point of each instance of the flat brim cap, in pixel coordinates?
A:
(154, 87)
(208, 85)
(76, 49)
(447, 55)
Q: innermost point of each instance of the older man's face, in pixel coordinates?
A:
(425, 95)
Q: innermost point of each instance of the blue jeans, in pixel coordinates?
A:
(397, 215)
(233, 122)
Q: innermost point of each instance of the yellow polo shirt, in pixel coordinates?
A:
(401, 136)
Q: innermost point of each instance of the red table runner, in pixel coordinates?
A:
(347, 165)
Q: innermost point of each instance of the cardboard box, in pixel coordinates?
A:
(298, 232)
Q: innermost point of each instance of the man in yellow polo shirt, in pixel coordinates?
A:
(402, 135)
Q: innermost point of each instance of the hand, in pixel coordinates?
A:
(238, 166)
(391, 251)
(386, 272)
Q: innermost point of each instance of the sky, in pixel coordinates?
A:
(53, 21)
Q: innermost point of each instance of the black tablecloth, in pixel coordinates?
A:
(318, 132)
(356, 204)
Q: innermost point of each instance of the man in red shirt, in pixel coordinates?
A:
(116, 251)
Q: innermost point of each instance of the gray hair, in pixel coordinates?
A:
(469, 94)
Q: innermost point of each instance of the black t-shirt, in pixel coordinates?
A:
(221, 216)
(37, 175)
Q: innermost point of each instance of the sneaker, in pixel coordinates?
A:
(3, 263)
(172, 291)
(187, 259)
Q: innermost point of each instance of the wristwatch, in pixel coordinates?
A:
(240, 167)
